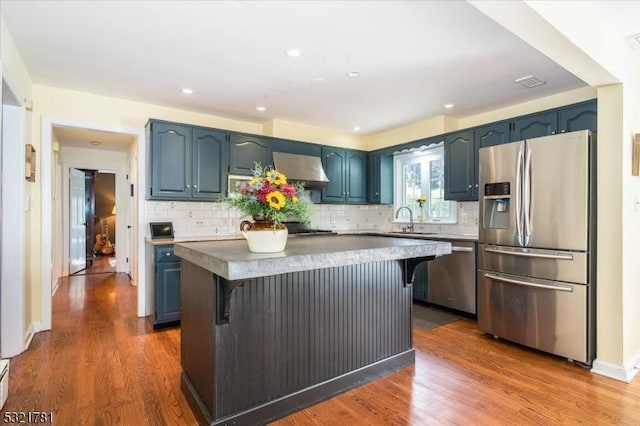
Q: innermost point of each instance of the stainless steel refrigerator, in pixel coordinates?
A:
(536, 273)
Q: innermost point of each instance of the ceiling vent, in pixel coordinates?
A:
(530, 81)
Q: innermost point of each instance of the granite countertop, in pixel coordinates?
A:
(422, 235)
(231, 259)
(161, 241)
(435, 236)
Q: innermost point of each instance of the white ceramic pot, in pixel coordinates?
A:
(266, 240)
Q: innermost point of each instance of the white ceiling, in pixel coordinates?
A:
(83, 138)
(415, 56)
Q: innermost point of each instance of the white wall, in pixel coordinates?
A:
(17, 322)
(12, 280)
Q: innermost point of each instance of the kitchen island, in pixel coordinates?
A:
(264, 335)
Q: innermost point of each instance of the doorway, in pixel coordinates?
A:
(113, 142)
(92, 221)
(95, 159)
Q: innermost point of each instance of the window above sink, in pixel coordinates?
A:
(420, 173)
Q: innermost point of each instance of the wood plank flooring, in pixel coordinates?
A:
(101, 365)
(101, 264)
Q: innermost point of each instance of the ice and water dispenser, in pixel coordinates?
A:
(497, 202)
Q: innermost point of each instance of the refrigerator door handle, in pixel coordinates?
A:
(557, 287)
(527, 194)
(519, 223)
(536, 255)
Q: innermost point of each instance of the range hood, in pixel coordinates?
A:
(301, 168)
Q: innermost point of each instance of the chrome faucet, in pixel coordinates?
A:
(410, 227)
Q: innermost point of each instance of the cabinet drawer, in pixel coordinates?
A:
(165, 254)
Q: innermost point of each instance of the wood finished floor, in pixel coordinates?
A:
(101, 365)
(101, 265)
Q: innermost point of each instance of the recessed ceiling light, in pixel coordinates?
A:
(356, 128)
(354, 73)
(448, 106)
(187, 91)
(95, 143)
(261, 108)
(293, 52)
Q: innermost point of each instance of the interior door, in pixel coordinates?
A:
(77, 223)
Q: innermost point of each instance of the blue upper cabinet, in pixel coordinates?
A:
(492, 134)
(578, 117)
(187, 162)
(346, 170)
(379, 178)
(209, 148)
(246, 150)
(356, 177)
(170, 168)
(535, 125)
(334, 162)
(460, 175)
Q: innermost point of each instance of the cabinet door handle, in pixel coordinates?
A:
(167, 254)
(195, 186)
(188, 186)
(476, 185)
(470, 186)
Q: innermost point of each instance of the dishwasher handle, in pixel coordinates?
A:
(462, 249)
(527, 283)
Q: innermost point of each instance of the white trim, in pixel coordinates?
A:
(55, 287)
(139, 192)
(31, 331)
(14, 200)
(46, 159)
(618, 372)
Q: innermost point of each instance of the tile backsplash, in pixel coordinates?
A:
(201, 219)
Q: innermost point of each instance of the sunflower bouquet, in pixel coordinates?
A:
(268, 195)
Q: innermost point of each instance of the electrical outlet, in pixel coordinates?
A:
(464, 218)
(475, 221)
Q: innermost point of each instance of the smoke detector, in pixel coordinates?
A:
(530, 81)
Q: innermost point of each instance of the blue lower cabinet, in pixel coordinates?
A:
(420, 282)
(166, 287)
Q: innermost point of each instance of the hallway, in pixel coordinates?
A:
(100, 364)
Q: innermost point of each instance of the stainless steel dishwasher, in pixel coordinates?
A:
(451, 279)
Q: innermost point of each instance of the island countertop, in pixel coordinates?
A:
(233, 260)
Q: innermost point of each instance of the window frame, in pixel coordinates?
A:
(427, 154)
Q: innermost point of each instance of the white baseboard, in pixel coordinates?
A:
(56, 285)
(34, 327)
(623, 373)
(29, 335)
